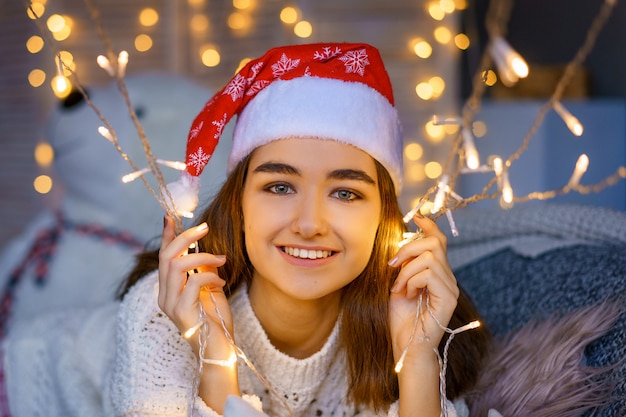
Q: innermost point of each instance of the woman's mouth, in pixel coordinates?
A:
(306, 253)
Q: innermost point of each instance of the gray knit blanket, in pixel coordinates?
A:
(539, 260)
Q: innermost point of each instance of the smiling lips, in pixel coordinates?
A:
(307, 253)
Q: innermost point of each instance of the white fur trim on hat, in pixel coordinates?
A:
(325, 108)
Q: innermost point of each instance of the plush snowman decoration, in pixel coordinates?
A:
(78, 254)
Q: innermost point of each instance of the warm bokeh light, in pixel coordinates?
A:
(447, 6)
(424, 91)
(44, 154)
(34, 44)
(55, 23)
(289, 15)
(413, 151)
(61, 86)
(415, 173)
(438, 85)
(450, 129)
(148, 17)
(36, 77)
(63, 33)
(242, 63)
(67, 63)
(433, 169)
(519, 67)
(42, 184)
(421, 48)
(39, 8)
(442, 35)
(239, 21)
(199, 23)
(462, 41)
(210, 56)
(489, 78)
(479, 128)
(434, 133)
(143, 43)
(242, 4)
(195, 3)
(460, 4)
(303, 29)
(435, 11)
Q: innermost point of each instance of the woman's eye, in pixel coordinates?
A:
(280, 189)
(345, 195)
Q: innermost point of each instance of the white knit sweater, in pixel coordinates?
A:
(154, 367)
(129, 359)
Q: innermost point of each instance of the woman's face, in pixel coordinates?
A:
(311, 209)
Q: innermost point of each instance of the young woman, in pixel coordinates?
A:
(299, 271)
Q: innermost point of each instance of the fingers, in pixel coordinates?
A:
(174, 263)
(422, 271)
(179, 278)
(430, 228)
(424, 264)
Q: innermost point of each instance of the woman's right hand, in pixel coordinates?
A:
(181, 290)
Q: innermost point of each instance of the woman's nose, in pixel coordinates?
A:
(309, 218)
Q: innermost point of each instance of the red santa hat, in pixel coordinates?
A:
(335, 91)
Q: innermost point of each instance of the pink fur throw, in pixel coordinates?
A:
(538, 370)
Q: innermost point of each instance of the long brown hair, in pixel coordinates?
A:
(365, 301)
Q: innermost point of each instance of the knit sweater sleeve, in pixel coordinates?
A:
(154, 366)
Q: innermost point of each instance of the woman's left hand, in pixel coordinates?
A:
(424, 269)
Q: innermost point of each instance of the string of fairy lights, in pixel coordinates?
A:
(499, 62)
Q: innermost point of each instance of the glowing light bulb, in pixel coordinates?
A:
(511, 66)
(506, 199)
(122, 61)
(61, 86)
(104, 132)
(105, 64)
(177, 165)
(581, 167)
(573, 124)
(440, 197)
(472, 160)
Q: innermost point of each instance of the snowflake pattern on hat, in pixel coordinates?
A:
(347, 62)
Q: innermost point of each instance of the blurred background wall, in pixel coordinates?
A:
(431, 49)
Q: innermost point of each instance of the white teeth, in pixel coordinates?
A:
(307, 253)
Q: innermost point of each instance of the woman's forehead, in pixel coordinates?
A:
(315, 152)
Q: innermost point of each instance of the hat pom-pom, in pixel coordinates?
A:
(184, 194)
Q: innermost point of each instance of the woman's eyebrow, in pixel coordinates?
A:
(338, 174)
(351, 174)
(277, 167)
